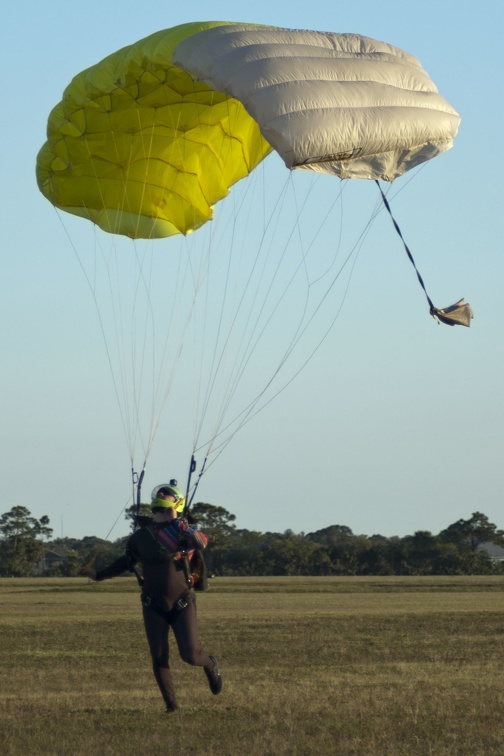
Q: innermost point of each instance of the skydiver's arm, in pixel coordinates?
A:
(125, 563)
(195, 539)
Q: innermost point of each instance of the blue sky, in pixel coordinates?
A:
(395, 425)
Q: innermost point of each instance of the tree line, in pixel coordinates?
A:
(27, 548)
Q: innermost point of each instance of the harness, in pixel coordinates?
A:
(188, 595)
(182, 603)
(151, 603)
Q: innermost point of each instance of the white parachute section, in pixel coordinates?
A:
(334, 103)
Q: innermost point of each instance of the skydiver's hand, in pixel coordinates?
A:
(88, 572)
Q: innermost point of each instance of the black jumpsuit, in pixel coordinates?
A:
(164, 584)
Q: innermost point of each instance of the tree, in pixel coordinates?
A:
(334, 535)
(473, 532)
(468, 536)
(218, 524)
(287, 554)
(22, 541)
(421, 551)
(213, 520)
(243, 554)
(144, 510)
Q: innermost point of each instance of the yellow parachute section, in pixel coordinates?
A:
(142, 149)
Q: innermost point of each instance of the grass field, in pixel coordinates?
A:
(311, 666)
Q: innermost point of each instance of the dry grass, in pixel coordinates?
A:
(334, 666)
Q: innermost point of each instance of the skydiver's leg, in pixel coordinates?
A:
(185, 628)
(156, 630)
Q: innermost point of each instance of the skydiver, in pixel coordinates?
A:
(168, 598)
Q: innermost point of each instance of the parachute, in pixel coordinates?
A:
(146, 143)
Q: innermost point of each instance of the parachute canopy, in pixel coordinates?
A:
(147, 141)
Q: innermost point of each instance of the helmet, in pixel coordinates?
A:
(169, 488)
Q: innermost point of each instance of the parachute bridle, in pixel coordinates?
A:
(459, 313)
